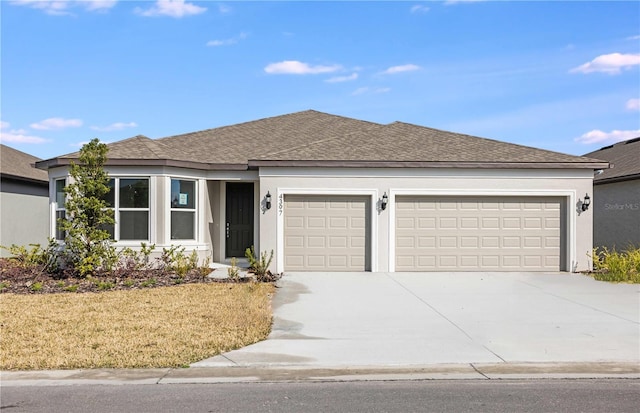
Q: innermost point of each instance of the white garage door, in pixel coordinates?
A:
(326, 233)
(478, 233)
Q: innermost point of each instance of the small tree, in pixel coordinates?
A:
(88, 245)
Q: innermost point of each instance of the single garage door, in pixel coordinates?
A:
(479, 233)
(326, 233)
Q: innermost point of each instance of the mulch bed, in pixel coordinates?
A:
(17, 279)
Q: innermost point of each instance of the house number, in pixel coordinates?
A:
(280, 204)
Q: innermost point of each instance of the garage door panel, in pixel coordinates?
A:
(326, 233)
(479, 233)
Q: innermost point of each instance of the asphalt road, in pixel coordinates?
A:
(547, 395)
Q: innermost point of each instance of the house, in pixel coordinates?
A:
(330, 193)
(24, 200)
(616, 196)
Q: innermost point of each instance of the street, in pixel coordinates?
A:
(547, 395)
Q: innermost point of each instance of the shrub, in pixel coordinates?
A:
(233, 272)
(260, 267)
(617, 266)
(174, 259)
(36, 255)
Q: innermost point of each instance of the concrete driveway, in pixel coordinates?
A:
(324, 320)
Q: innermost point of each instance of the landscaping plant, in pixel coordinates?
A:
(88, 247)
(260, 267)
(617, 266)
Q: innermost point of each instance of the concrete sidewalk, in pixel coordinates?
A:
(336, 320)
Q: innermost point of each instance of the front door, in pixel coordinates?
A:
(239, 225)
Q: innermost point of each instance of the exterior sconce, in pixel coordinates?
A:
(586, 202)
(267, 200)
(384, 202)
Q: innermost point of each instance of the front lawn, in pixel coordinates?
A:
(157, 327)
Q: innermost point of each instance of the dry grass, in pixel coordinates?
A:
(160, 327)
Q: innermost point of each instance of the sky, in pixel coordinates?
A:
(563, 76)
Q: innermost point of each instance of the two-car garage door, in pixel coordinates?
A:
(478, 233)
(460, 233)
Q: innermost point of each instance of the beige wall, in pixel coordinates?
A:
(24, 220)
(616, 214)
(569, 184)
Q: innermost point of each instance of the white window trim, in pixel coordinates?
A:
(569, 195)
(279, 206)
(116, 210)
(56, 207)
(196, 211)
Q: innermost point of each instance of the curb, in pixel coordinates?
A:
(211, 375)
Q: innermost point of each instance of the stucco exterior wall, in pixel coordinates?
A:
(616, 214)
(24, 220)
(569, 184)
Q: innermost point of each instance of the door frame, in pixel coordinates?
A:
(251, 187)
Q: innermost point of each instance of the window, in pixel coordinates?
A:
(60, 206)
(129, 198)
(183, 209)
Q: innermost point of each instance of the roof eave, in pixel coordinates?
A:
(613, 179)
(420, 164)
(58, 162)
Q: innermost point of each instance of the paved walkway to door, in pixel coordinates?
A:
(419, 319)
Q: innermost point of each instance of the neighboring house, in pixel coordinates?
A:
(24, 200)
(329, 193)
(616, 200)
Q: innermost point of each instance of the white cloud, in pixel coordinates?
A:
(636, 37)
(227, 42)
(294, 67)
(171, 8)
(368, 90)
(99, 4)
(452, 2)
(419, 8)
(115, 126)
(62, 7)
(612, 63)
(598, 136)
(54, 8)
(17, 135)
(339, 79)
(56, 123)
(399, 69)
(633, 104)
(224, 9)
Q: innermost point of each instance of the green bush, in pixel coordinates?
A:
(260, 267)
(617, 266)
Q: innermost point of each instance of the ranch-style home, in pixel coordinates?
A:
(330, 193)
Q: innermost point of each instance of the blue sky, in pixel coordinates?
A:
(563, 76)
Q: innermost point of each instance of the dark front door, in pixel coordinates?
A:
(239, 225)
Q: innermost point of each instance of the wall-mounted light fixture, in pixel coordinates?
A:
(384, 202)
(586, 202)
(267, 200)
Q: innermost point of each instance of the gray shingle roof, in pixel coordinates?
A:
(315, 138)
(19, 165)
(624, 158)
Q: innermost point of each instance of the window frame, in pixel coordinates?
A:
(59, 208)
(193, 210)
(117, 209)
